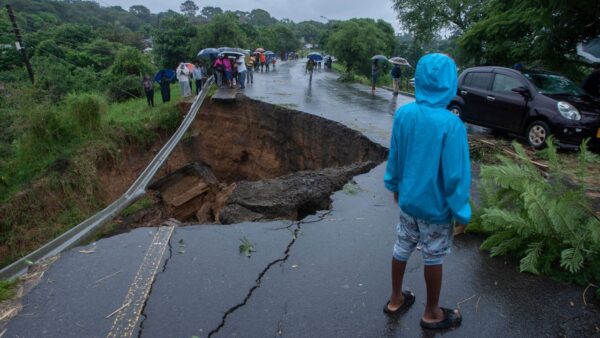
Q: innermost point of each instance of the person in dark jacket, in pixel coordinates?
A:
(396, 74)
(592, 83)
(149, 90)
(165, 88)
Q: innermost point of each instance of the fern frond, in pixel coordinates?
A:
(571, 259)
(536, 206)
(495, 218)
(530, 262)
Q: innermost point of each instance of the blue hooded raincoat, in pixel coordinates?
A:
(428, 164)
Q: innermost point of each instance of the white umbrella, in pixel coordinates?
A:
(590, 50)
(399, 61)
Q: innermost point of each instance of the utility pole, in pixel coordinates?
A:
(19, 43)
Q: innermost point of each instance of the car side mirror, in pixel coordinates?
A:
(523, 91)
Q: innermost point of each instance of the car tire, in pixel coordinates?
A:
(456, 110)
(537, 134)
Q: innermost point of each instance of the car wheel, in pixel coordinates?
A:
(537, 134)
(456, 110)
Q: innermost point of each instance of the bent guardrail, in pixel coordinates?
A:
(87, 228)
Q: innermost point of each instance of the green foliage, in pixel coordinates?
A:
(7, 289)
(143, 203)
(171, 40)
(425, 19)
(545, 222)
(539, 34)
(247, 247)
(355, 41)
(86, 111)
(222, 30)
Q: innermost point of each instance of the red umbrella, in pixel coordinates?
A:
(190, 66)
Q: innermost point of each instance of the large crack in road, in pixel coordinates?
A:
(297, 228)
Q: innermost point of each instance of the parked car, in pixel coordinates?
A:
(532, 103)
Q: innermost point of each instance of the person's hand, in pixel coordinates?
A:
(459, 229)
(396, 197)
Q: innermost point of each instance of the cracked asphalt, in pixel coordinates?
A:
(325, 276)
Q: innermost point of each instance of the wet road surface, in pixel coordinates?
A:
(325, 276)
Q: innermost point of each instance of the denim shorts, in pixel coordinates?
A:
(434, 240)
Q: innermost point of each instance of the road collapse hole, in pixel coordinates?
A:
(250, 161)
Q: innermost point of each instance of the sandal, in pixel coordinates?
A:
(409, 300)
(451, 320)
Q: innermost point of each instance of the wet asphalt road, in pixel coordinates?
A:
(326, 276)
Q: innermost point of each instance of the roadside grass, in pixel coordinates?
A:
(143, 203)
(7, 289)
(384, 80)
(50, 181)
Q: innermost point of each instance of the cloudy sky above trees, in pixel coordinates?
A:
(284, 9)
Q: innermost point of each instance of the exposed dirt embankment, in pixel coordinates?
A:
(253, 140)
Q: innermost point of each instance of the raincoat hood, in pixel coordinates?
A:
(436, 80)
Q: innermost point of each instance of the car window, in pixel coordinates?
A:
(478, 80)
(505, 84)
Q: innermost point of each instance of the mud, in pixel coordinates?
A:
(250, 161)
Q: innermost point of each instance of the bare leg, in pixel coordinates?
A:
(397, 299)
(433, 280)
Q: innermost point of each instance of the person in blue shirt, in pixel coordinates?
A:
(429, 172)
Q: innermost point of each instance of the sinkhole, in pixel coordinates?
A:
(250, 161)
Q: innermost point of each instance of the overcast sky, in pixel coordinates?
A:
(296, 10)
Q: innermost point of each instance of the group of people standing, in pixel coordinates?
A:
(184, 74)
(239, 70)
(231, 70)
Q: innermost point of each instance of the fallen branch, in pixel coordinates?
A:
(118, 310)
(464, 301)
(105, 278)
(585, 291)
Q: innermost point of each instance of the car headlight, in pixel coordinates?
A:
(568, 111)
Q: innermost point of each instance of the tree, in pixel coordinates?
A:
(141, 12)
(426, 18)
(223, 30)
(355, 41)
(280, 38)
(209, 12)
(310, 31)
(523, 31)
(172, 40)
(189, 8)
(260, 17)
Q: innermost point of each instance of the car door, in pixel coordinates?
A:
(474, 91)
(507, 108)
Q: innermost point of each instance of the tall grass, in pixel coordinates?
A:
(54, 159)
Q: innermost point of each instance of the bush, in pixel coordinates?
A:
(124, 87)
(86, 111)
(547, 222)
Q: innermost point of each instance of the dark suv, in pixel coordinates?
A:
(531, 103)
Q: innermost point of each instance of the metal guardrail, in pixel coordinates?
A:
(88, 227)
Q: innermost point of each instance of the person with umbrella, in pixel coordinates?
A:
(164, 78)
(396, 73)
(199, 73)
(263, 61)
(183, 75)
(228, 70)
(218, 68)
(250, 70)
(242, 71)
(310, 67)
(374, 75)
